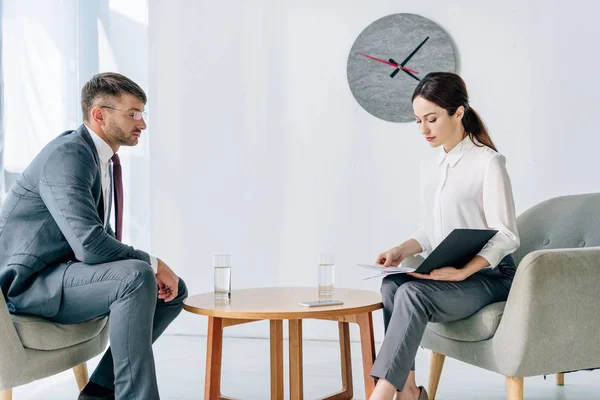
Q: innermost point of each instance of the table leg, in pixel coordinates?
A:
(296, 384)
(367, 344)
(276, 359)
(214, 352)
(346, 360)
(347, 391)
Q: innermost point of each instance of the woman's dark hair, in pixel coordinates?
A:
(449, 91)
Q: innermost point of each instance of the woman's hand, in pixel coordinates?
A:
(443, 274)
(391, 258)
(394, 256)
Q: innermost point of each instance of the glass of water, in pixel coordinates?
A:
(222, 276)
(326, 264)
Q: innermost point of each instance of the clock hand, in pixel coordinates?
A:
(411, 75)
(393, 74)
(403, 68)
(393, 64)
(378, 59)
(413, 53)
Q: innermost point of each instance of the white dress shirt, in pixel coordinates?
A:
(468, 187)
(105, 154)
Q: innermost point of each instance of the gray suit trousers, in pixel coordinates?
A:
(126, 291)
(410, 303)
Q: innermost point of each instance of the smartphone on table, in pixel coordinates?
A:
(321, 303)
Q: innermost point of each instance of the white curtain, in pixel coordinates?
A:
(50, 49)
(1, 114)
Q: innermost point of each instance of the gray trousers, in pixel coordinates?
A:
(410, 303)
(126, 291)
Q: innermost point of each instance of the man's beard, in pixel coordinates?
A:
(119, 136)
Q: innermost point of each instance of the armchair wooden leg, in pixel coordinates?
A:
(6, 394)
(81, 375)
(514, 388)
(435, 371)
(560, 379)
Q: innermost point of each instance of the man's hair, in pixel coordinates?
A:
(102, 87)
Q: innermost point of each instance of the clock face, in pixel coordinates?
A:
(389, 58)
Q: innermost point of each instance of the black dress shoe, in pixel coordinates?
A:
(85, 396)
(93, 391)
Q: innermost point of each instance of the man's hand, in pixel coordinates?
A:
(168, 282)
(443, 274)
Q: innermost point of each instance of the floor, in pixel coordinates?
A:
(180, 369)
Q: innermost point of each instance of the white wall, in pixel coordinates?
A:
(258, 148)
(52, 48)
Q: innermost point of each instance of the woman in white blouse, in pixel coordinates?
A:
(466, 186)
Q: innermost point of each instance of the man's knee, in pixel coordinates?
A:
(182, 292)
(141, 275)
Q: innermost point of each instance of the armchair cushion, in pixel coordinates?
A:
(478, 327)
(41, 334)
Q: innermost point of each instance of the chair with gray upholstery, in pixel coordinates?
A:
(32, 348)
(551, 319)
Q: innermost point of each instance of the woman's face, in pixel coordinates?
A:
(438, 128)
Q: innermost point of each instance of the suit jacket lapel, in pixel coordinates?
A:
(83, 132)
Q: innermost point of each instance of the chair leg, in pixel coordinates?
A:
(6, 394)
(435, 371)
(560, 379)
(514, 388)
(81, 375)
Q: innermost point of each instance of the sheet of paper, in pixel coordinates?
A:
(410, 264)
(385, 271)
(380, 275)
(388, 270)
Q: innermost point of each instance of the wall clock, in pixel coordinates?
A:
(388, 59)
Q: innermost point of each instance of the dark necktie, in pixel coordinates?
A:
(118, 189)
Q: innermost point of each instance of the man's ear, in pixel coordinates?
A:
(97, 115)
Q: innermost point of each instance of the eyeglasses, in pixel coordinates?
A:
(137, 115)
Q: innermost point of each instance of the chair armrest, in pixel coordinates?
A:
(552, 317)
(12, 353)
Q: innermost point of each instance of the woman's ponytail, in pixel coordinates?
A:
(475, 128)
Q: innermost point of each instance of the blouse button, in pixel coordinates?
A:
(582, 243)
(546, 242)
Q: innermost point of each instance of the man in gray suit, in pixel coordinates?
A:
(60, 258)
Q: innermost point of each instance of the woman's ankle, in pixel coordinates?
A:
(409, 393)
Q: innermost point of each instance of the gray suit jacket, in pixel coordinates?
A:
(53, 216)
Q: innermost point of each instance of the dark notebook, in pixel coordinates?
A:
(459, 247)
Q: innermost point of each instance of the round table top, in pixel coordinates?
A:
(282, 303)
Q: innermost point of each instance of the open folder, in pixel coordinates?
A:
(456, 250)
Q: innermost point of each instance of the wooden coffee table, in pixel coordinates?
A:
(277, 304)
